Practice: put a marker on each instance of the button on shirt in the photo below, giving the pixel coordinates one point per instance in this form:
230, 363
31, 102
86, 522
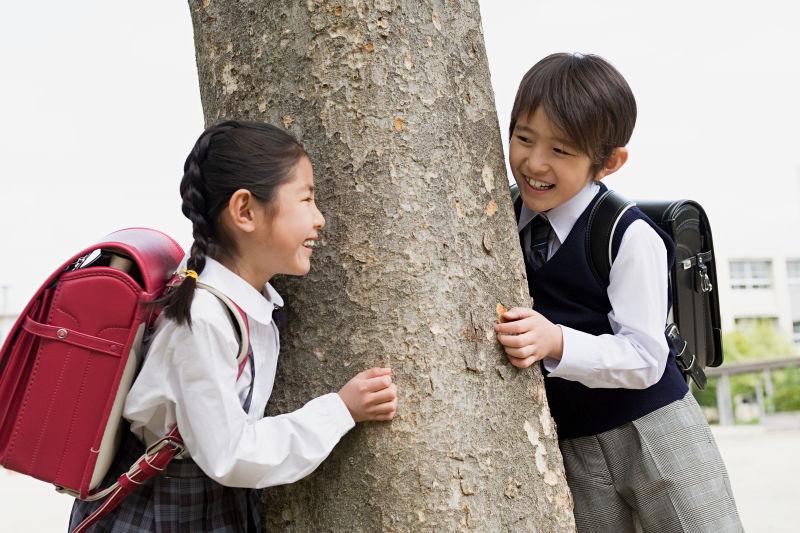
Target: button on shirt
189, 376
635, 356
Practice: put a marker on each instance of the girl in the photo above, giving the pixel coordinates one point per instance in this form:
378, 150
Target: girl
248, 189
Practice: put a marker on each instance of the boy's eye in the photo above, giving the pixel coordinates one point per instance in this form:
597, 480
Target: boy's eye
523, 139
561, 151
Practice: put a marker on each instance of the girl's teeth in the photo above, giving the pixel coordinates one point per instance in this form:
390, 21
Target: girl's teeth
310, 243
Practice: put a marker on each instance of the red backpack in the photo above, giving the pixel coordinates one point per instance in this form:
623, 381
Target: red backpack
70, 359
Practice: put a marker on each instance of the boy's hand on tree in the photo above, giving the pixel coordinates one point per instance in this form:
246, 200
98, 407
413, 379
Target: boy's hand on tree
371, 395
528, 337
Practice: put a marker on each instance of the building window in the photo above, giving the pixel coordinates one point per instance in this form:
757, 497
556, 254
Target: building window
796, 331
793, 271
748, 323
751, 274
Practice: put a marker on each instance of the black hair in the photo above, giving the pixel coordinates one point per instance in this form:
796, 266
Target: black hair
585, 97
228, 156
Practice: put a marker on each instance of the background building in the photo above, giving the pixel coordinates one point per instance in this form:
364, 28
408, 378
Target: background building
758, 266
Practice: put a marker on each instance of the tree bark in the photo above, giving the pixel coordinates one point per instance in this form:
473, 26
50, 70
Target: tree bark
393, 102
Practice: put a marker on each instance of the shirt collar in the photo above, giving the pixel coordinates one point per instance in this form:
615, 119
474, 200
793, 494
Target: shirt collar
257, 305
562, 217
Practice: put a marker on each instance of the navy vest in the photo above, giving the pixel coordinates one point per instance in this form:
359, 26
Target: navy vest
566, 292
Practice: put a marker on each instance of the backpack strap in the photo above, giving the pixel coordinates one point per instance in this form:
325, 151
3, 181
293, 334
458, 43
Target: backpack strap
240, 321
603, 221
157, 456
602, 225
515, 198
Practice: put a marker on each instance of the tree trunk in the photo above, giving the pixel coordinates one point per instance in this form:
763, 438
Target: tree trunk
393, 102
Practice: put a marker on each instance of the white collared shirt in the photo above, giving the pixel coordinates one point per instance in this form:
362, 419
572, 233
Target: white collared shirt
189, 377
635, 356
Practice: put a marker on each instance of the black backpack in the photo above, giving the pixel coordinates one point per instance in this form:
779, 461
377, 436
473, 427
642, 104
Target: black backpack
693, 324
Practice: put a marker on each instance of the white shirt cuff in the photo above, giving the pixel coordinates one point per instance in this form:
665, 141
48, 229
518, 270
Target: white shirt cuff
570, 355
337, 413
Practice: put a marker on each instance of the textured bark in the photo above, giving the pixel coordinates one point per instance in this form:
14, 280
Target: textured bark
393, 101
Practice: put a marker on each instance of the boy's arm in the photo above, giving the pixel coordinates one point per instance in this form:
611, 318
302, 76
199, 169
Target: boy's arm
635, 356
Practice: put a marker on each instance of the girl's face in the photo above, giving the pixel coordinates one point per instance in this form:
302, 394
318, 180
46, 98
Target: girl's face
289, 228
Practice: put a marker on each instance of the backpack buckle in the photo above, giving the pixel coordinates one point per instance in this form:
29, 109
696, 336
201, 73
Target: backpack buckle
163, 442
702, 282
684, 357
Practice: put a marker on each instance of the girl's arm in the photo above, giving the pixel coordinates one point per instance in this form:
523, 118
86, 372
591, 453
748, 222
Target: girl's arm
220, 437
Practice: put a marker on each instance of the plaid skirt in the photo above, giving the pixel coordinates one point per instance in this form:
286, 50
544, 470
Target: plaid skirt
182, 499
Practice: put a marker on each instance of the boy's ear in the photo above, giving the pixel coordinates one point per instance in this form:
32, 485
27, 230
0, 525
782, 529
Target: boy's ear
241, 210
614, 162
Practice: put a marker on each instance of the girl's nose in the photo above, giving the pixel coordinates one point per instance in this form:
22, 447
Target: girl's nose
319, 220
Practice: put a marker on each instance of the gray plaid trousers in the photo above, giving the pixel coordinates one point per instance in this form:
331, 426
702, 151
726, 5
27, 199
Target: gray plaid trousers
661, 473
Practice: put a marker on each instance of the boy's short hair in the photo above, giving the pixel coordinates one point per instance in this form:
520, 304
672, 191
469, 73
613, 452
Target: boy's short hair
584, 97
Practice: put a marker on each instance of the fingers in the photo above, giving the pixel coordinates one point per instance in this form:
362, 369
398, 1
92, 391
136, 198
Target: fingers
523, 356
382, 405
523, 363
375, 372
516, 327
385, 417
517, 313
384, 408
371, 395
382, 396
516, 341
523, 352
375, 384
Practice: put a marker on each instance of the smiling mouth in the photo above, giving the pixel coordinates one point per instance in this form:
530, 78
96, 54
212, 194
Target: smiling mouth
539, 185
310, 243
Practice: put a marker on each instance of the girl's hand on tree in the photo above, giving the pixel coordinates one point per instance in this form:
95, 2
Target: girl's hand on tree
528, 337
371, 395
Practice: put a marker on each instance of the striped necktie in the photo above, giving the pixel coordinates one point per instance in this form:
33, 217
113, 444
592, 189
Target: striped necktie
541, 232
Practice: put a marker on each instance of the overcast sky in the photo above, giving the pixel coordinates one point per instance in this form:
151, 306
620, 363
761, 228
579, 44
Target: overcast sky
101, 105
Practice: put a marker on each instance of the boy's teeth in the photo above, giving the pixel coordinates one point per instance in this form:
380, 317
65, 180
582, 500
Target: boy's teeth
310, 243
540, 184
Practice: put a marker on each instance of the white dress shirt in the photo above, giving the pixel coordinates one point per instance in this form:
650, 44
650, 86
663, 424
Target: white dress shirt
635, 356
189, 377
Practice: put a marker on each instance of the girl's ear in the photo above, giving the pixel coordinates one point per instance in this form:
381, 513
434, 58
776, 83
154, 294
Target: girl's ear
241, 210
614, 162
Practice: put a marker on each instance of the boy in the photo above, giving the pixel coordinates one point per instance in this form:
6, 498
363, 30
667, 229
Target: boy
637, 450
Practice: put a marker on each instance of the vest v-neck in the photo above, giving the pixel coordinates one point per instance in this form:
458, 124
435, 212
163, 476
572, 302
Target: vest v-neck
577, 229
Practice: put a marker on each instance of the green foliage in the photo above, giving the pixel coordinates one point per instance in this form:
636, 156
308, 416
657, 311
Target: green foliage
761, 341
787, 390
708, 396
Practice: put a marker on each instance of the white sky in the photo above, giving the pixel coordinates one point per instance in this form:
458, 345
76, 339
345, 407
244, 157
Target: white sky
101, 105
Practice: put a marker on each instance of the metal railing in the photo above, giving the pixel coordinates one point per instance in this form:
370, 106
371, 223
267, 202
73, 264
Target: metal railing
724, 400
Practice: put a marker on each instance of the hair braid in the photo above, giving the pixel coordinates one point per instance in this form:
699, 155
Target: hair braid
178, 303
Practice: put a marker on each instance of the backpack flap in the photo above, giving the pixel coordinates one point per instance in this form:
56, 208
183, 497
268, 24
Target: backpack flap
694, 285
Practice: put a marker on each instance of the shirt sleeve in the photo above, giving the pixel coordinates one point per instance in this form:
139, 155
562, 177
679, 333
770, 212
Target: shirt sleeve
635, 355
228, 447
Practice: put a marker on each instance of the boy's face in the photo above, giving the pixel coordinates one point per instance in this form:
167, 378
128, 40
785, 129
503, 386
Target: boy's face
548, 169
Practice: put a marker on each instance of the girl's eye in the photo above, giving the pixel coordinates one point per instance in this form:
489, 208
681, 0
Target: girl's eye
561, 151
523, 139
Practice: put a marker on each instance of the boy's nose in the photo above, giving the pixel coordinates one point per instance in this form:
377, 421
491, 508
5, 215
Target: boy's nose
535, 163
